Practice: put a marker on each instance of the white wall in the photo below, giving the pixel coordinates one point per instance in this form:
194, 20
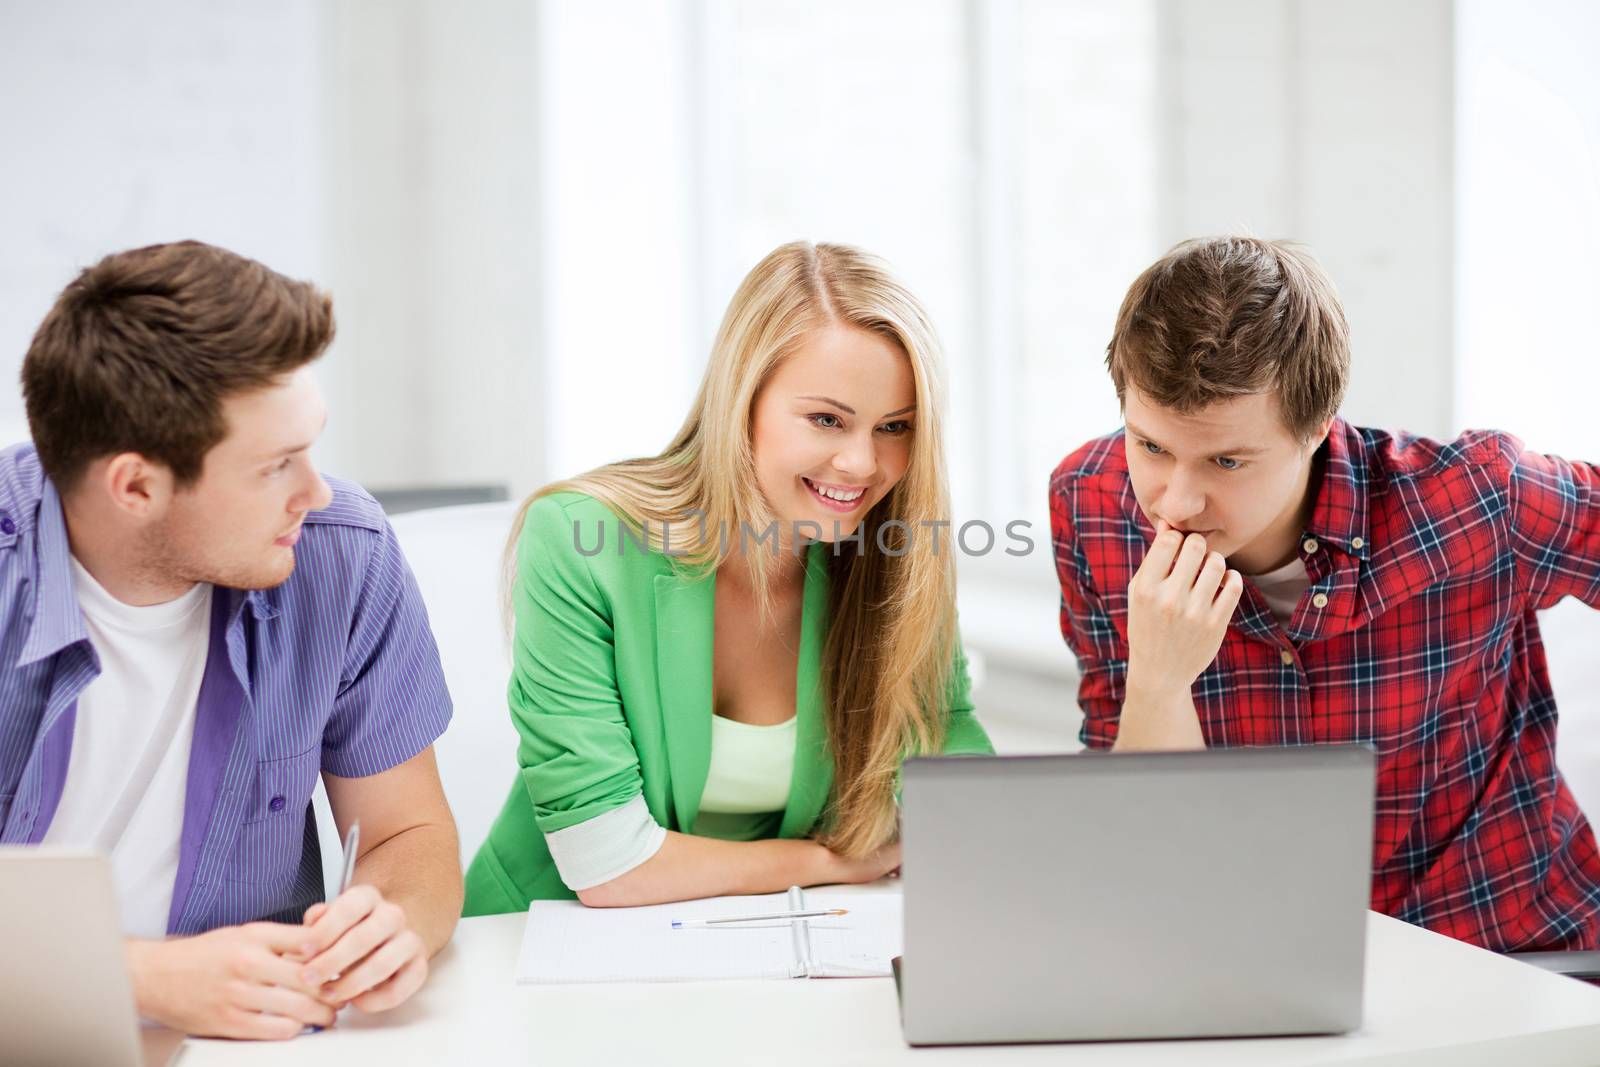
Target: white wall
623, 338
1331, 124
434, 185
483, 185
476, 183
129, 124
1528, 272
388, 152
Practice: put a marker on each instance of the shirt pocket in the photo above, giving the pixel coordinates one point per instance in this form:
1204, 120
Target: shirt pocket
272, 837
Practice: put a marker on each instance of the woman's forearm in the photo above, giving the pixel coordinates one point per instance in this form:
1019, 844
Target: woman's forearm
686, 867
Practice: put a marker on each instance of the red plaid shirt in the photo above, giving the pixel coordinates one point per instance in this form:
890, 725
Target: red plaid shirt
1433, 558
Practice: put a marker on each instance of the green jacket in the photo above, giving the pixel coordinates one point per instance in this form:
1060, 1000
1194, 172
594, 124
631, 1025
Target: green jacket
611, 696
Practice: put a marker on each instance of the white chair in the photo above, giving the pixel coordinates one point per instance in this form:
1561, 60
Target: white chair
455, 553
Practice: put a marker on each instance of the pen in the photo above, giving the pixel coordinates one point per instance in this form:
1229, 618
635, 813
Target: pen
684, 924
351, 840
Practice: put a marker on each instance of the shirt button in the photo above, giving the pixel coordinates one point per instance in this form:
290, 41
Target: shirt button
1309, 544
276, 804
7, 527
1356, 542
1320, 600
1285, 655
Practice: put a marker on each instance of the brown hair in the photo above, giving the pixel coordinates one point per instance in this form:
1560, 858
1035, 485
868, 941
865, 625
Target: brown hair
140, 351
1220, 317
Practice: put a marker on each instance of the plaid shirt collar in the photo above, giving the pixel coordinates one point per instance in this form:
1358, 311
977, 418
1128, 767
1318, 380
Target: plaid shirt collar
1339, 517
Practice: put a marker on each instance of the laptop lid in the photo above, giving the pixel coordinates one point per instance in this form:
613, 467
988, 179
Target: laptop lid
1112, 896
64, 992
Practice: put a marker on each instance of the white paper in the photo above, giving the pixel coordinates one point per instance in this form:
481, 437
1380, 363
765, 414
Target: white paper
858, 945
564, 941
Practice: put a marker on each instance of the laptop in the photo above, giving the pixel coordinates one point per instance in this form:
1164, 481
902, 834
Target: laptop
1096, 897
64, 992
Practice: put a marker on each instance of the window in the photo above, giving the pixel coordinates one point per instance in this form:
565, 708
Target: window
1000, 155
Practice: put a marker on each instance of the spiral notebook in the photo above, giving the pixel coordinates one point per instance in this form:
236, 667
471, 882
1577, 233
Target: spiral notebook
565, 941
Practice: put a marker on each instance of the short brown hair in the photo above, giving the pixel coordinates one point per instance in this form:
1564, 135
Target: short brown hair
1220, 317
140, 351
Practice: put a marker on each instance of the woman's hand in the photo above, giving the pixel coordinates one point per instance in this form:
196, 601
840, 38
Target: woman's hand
841, 869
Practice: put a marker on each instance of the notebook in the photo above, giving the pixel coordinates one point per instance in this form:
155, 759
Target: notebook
565, 941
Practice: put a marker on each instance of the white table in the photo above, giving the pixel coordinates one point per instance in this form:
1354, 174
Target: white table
1429, 1000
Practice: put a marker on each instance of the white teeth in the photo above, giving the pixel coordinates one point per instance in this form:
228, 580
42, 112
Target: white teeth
836, 494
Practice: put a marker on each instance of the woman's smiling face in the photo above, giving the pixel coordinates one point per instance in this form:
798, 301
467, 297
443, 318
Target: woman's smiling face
831, 429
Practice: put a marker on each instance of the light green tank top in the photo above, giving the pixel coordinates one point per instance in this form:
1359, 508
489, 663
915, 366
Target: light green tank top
747, 786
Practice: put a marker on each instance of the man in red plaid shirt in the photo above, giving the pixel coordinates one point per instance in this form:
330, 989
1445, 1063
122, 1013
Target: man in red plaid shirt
1239, 566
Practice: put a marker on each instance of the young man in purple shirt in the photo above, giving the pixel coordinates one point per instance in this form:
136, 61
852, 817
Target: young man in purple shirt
194, 627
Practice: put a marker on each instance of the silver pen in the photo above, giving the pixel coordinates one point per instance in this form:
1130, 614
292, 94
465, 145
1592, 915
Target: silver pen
351, 841
685, 924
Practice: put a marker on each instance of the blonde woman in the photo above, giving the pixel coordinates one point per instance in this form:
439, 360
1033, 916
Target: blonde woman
707, 703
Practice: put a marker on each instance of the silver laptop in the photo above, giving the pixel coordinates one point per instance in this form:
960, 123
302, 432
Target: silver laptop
64, 992
1154, 895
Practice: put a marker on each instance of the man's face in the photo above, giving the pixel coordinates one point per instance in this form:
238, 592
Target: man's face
1231, 472
238, 524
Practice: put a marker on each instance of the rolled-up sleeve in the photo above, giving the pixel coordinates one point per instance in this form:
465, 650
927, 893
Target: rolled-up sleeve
595, 851
575, 751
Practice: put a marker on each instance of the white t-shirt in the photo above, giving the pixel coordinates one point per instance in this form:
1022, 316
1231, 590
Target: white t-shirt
1283, 588
129, 768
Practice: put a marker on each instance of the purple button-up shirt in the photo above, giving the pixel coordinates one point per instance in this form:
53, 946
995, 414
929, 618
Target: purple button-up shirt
334, 670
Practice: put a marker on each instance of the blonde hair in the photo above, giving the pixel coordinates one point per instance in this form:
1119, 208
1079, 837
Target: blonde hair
887, 661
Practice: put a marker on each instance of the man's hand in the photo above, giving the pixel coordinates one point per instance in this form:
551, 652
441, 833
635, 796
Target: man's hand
358, 949
1179, 604
230, 982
